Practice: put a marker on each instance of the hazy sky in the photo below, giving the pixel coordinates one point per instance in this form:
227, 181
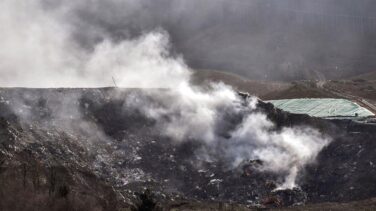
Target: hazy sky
269, 39
260, 39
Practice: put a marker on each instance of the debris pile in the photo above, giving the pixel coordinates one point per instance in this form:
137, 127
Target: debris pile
107, 157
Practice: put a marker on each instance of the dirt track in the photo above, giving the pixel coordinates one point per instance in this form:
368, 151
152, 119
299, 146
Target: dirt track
361, 101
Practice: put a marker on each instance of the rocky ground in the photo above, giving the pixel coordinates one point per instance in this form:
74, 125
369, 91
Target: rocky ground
79, 149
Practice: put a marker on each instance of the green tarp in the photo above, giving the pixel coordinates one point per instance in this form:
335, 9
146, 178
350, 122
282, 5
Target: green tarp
322, 107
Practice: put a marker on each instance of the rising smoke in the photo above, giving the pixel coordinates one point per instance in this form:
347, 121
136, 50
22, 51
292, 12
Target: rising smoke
41, 47
190, 113
38, 50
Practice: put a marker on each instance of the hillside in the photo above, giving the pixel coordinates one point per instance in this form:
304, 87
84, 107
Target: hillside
254, 87
371, 76
360, 89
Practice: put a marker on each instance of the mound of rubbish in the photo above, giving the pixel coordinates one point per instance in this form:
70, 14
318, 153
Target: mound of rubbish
92, 149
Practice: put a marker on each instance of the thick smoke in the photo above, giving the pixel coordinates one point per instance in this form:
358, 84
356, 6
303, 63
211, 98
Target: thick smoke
189, 113
286, 151
40, 49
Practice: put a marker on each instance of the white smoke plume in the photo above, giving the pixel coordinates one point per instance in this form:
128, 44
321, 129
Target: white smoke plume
37, 50
187, 113
286, 151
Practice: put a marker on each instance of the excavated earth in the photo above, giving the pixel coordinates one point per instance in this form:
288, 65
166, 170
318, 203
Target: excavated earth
80, 149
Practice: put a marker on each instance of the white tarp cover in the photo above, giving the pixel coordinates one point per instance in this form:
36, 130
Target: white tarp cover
322, 107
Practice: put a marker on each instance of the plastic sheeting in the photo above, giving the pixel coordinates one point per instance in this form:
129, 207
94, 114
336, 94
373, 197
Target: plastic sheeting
322, 107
